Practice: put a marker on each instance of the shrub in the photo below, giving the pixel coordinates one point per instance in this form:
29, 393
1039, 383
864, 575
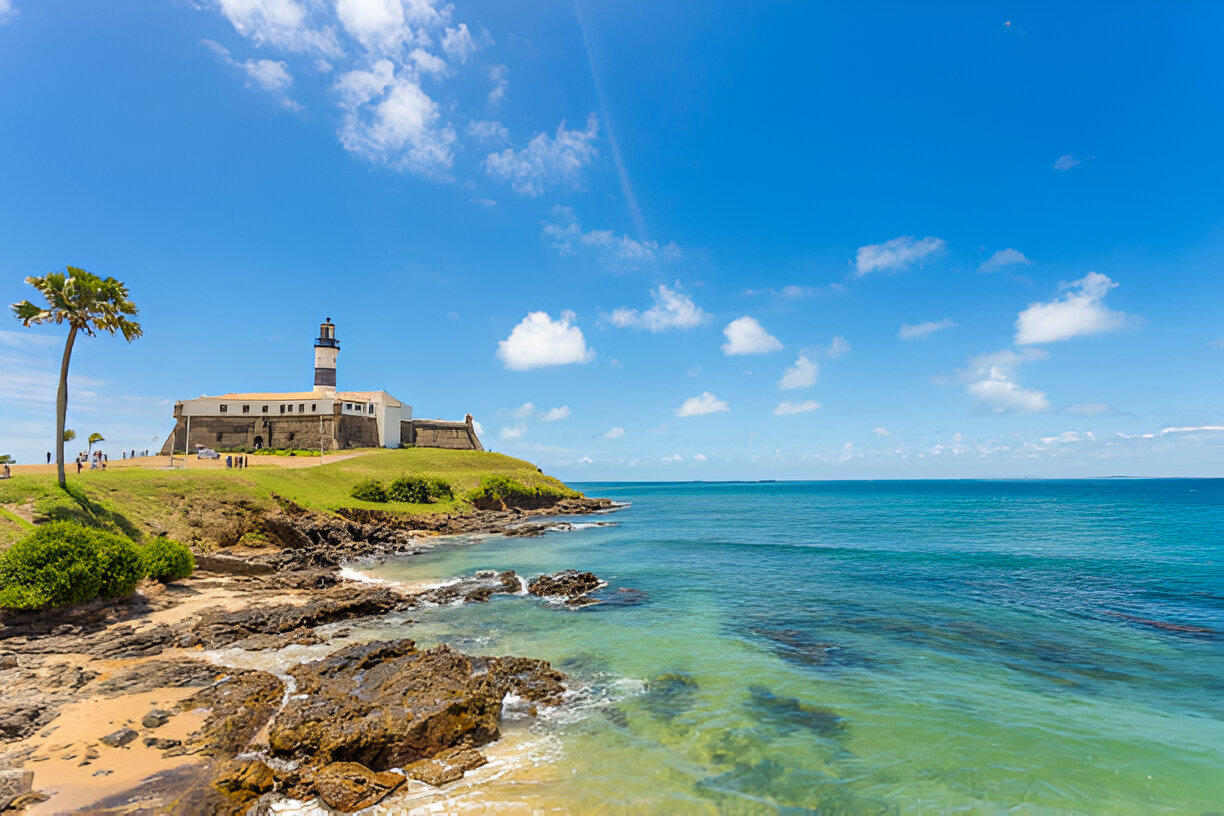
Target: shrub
253, 538
441, 489
370, 490
64, 563
509, 491
166, 560
411, 489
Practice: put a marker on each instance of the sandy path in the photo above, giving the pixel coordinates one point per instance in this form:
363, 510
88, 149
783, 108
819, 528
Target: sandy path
163, 462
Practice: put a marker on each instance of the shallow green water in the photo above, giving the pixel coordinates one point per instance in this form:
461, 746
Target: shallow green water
872, 647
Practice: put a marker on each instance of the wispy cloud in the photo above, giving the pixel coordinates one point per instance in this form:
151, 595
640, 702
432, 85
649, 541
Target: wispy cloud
546, 161
802, 374
897, 254
787, 408
268, 75
565, 234
1001, 259
991, 379
1079, 311
673, 309
921, 331
706, 403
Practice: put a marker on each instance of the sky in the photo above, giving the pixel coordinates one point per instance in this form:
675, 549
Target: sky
639, 240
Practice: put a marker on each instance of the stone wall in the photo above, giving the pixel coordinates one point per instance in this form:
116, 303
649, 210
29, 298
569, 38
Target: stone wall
300, 432
358, 432
434, 433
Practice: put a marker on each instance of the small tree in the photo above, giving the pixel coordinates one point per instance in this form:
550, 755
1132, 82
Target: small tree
87, 303
7, 459
95, 438
69, 435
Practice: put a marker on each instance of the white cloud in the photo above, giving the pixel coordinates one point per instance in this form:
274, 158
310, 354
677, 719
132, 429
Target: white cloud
514, 431
701, 457
802, 374
921, 331
614, 433
747, 336
565, 234
554, 414
1002, 258
895, 254
707, 403
838, 348
1088, 409
499, 76
991, 380
880, 430
673, 309
283, 24
1180, 430
788, 408
388, 26
1079, 311
479, 428
388, 118
427, 63
539, 341
523, 411
675, 457
546, 160
266, 74
7, 11
1066, 162
488, 131
458, 43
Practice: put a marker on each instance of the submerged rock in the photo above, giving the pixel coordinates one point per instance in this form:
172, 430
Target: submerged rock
219, 629
565, 584
351, 786
669, 694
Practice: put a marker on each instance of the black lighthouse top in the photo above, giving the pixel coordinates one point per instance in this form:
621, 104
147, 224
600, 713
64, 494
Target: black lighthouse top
327, 336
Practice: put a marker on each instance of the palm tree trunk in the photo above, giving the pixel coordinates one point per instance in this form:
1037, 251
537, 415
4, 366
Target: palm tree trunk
61, 407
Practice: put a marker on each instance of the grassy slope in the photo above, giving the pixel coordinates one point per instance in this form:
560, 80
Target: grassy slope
193, 505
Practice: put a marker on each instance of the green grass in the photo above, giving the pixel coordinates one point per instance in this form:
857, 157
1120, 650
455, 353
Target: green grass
197, 506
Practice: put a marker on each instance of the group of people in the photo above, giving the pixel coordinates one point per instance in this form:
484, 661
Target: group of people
96, 460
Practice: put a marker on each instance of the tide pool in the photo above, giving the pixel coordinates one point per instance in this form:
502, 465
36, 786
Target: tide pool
866, 647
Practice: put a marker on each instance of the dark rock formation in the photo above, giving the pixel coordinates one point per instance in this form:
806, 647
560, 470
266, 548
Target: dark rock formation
217, 629
155, 718
14, 784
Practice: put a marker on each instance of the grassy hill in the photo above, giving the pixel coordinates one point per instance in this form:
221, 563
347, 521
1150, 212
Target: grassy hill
199, 505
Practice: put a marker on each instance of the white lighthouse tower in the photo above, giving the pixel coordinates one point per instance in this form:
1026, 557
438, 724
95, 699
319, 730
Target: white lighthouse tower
327, 347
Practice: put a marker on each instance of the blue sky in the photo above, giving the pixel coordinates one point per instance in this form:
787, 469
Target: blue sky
640, 240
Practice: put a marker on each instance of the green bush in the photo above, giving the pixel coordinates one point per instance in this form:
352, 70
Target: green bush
166, 560
509, 491
370, 490
411, 489
441, 489
63, 563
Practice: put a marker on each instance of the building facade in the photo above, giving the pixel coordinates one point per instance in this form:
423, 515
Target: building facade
320, 419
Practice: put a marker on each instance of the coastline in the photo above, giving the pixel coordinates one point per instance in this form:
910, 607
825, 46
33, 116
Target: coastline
229, 740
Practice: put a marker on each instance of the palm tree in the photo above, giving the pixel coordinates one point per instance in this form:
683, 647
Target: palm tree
87, 303
95, 438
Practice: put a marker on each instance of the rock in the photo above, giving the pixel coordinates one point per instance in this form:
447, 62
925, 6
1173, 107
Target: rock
8, 661
238, 705
244, 778
219, 629
446, 767
155, 718
565, 584
350, 786
14, 784
120, 738
159, 674
162, 744
385, 704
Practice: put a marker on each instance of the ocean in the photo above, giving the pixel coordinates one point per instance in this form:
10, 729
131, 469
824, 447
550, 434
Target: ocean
861, 647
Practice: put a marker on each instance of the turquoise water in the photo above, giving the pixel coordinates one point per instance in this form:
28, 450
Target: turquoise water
879, 647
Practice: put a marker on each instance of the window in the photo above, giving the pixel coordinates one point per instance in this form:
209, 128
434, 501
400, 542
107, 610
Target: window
246, 409
282, 407
348, 406
371, 408
265, 409
224, 407
218, 437
291, 407
301, 407
313, 408
291, 436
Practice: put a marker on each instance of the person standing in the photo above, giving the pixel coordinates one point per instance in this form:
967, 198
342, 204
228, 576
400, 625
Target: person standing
48, 457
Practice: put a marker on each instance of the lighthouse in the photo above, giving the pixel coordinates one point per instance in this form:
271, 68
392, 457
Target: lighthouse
326, 348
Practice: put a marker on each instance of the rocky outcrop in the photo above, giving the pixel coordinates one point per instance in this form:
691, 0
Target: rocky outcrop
447, 766
386, 704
